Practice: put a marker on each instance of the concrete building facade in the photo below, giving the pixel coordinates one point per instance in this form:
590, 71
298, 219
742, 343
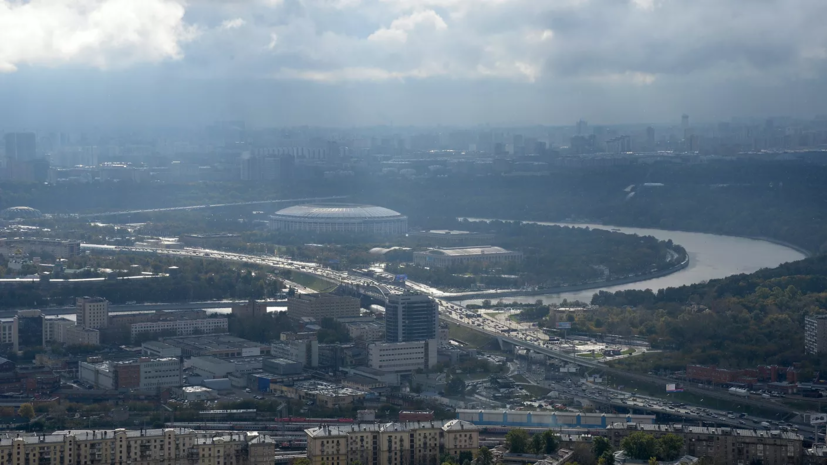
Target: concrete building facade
453, 256
410, 443
815, 334
402, 356
319, 306
146, 447
92, 312
180, 327
723, 445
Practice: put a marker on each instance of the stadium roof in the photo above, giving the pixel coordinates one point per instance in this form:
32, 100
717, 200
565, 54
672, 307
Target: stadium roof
338, 211
461, 251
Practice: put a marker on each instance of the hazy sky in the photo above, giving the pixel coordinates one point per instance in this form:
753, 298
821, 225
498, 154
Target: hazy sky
358, 62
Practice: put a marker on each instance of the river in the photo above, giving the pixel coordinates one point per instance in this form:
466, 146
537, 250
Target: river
710, 257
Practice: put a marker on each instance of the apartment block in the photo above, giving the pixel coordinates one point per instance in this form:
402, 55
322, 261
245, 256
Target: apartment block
723, 445
92, 312
180, 327
319, 306
815, 334
409, 443
145, 446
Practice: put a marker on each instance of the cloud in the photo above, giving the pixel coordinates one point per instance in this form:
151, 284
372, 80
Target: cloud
399, 28
232, 23
97, 33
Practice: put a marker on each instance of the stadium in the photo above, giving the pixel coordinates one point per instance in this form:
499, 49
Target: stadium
340, 219
17, 213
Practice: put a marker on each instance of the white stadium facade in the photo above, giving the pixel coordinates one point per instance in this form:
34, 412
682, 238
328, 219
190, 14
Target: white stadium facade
340, 218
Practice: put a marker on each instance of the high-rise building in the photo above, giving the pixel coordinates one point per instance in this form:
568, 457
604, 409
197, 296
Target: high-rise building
815, 334
411, 317
27, 329
685, 122
650, 137
92, 312
21, 146
581, 127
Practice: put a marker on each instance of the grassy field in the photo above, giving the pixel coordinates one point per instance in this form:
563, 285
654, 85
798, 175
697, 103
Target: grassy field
536, 391
312, 282
473, 338
595, 355
628, 351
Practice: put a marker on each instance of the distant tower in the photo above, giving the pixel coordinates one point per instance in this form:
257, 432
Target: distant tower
685, 122
21, 146
650, 137
581, 127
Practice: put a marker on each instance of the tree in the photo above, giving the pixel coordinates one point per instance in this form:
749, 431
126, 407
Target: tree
653, 461
26, 410
464, 456
550, 442
600, 445
536, 446
517, 441
607, 458
670, 447
640, 445
484, 457
301, 461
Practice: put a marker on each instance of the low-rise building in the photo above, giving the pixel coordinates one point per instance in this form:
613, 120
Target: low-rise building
180, 327
282, 366
211, 367
304, 351
144, 446
453, 256
390, 443
78, 335
58, 248
366, 331
219, 345
159, 349
142, 373
195, 393
323, 394
402, 356
249, 309
723, 445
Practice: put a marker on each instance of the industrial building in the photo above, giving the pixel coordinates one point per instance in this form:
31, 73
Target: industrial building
366, 331
139, 446
538, 419
220, 345
340, 219
449, 237
390, 443
159, 349
411, 317
213, 367
142, 373
250, 309
319, 306
402, 356
723, 445
453, 256
26, 246
304, 351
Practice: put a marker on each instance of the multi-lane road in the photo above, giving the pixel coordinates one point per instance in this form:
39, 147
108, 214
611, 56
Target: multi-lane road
456, 313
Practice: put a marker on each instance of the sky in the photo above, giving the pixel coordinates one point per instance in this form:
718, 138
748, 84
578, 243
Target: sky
408, 62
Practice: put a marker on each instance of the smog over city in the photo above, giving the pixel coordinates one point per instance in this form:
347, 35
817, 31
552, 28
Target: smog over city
413, 232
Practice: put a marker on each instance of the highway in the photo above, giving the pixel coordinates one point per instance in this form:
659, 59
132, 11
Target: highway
198, 207
455, 313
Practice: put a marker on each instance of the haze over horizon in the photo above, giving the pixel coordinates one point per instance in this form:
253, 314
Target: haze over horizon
408, 62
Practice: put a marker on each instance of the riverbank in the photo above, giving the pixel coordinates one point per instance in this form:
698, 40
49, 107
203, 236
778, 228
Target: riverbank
558, 290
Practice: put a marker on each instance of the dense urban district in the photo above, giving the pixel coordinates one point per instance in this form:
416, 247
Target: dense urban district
415, 296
